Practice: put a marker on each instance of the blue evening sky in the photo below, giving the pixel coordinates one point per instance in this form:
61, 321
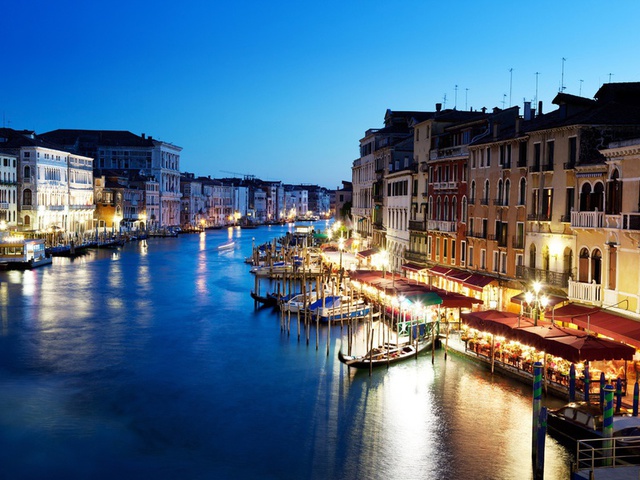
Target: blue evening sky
285, 89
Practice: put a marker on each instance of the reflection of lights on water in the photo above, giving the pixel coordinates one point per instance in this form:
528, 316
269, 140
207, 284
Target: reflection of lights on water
203, 241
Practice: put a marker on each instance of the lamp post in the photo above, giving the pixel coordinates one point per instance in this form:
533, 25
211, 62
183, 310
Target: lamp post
536, 302
340, 248
384, 260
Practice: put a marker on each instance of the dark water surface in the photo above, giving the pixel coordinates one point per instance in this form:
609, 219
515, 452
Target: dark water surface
150, 362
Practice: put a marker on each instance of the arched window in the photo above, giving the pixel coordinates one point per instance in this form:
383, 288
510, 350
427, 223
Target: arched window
438, 211
545, 258
464, 210
27, 221
500, 192
446, 209
454, 212
598, 194
583, 266
26, 197
586, 198
522, 193
485, 192
596, 266
27, 173
473, 192
532, 256
614, 194
507, 191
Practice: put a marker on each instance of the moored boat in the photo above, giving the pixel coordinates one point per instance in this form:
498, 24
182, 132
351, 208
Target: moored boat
336, 308
386, 354
581, 420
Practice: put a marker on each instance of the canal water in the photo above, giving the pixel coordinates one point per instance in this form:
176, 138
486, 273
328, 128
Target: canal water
151, 362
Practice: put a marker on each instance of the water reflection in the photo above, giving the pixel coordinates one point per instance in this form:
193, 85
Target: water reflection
156, 365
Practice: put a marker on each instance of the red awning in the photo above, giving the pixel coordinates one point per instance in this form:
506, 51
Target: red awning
413, 267
458, 275
601, 321
367, 253
477, 281
439, 270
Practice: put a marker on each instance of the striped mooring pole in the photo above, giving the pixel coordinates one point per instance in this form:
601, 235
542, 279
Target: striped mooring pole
538, 467
537, 401
607, 425
603, 383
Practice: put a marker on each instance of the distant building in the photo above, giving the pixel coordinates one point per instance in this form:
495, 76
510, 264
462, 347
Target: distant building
55, 187
8, 191
341, 201
118, 149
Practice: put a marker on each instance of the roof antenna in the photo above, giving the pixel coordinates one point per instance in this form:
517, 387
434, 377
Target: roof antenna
504, 95
610, 75
444, 101
455, 101
535, 101
466, 93
562, 87
580, 92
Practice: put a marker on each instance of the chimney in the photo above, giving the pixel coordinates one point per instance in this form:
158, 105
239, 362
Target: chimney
527, 111
438, 107
143, 135
540, 108
484, 109
150, 137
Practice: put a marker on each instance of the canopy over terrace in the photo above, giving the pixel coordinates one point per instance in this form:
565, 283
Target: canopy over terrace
569, 344
395, 284
601, 321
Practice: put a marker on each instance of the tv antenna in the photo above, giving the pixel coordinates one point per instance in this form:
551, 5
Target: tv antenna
562, 87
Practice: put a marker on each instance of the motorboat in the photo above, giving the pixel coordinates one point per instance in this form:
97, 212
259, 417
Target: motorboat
230, 245
337, 308
581, 420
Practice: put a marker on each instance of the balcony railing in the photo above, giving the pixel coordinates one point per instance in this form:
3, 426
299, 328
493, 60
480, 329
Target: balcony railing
4, 206
556, 279
418, 225
448, 152
484, 201
518, 242
477, 234
441, 225
538, 217
587, 219
472, 200
548, 167
569, 165
534, 168
417, 257
585, 292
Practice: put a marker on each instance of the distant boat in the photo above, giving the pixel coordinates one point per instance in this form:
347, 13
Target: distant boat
227, 245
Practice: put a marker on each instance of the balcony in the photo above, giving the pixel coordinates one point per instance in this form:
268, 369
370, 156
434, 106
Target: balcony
556, 279
484, 201
445, 185
499, 202
472, 200
448, 152
416, 257
548, 167
569, 165
477, 234
538, 217
518, 242
4, 206
534, 168
441, 225
585, 292
418, 225
587, 219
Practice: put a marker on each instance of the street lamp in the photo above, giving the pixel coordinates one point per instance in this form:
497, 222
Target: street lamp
384, 260
536, 302
341, 247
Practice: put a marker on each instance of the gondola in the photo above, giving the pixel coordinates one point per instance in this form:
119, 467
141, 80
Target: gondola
386, 354
270, 300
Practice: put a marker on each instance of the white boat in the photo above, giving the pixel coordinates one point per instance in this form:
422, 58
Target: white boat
20, 253
298, 303
227, 245
336, 308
